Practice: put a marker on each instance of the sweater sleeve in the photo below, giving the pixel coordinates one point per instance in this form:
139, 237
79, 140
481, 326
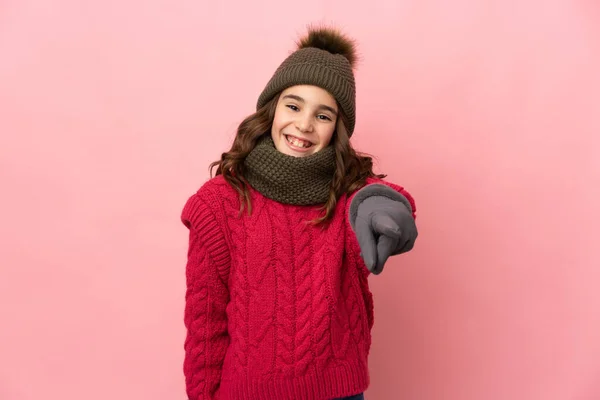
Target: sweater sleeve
206, 299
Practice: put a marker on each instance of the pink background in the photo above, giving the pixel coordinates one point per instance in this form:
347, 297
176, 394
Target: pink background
488, 112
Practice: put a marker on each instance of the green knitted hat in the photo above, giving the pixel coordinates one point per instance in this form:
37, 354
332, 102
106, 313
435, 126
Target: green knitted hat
324, 58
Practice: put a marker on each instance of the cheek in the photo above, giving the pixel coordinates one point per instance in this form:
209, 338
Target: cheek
275, 128
279, 121
325, 136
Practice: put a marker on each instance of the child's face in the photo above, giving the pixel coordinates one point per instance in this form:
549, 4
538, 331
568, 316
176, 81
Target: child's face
305, 120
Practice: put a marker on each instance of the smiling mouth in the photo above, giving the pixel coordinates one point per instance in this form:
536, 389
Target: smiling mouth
300, 143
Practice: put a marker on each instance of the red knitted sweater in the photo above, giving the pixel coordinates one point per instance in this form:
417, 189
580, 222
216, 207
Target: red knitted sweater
276, 309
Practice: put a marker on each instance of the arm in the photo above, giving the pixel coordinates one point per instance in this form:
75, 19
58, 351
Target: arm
382, 215
205, 301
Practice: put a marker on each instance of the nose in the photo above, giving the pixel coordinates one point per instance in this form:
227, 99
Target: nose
304, 123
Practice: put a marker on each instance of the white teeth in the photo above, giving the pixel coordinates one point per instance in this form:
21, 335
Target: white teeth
297, 142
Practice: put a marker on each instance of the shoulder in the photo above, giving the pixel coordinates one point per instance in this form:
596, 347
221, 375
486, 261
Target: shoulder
206, 200
216, 187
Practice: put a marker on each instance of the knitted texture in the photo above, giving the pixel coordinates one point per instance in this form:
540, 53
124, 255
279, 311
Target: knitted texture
313, 66
288, 179
276, 308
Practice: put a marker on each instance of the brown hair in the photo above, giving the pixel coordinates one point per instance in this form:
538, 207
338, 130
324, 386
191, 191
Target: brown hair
351, 172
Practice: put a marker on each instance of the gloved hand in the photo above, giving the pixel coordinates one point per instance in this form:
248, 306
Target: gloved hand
384, 226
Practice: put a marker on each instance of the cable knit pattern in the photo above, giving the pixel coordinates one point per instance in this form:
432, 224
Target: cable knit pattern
260, 249
303, 265
276, 308
286, 294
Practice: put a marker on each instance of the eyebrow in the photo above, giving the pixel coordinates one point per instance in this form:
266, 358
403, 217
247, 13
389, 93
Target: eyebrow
301, 100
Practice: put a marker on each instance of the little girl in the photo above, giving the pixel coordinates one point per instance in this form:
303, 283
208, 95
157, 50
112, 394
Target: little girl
283, 239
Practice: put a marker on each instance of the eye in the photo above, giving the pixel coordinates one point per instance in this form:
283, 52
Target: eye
292, 107
324, 117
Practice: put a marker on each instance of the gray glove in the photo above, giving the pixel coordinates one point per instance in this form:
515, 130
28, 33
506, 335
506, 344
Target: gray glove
383, 222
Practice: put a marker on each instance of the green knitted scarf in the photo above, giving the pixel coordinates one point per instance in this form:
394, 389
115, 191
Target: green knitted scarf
288, 179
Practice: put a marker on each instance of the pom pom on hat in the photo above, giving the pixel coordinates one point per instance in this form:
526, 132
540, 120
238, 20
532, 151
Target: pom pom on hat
330, 40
